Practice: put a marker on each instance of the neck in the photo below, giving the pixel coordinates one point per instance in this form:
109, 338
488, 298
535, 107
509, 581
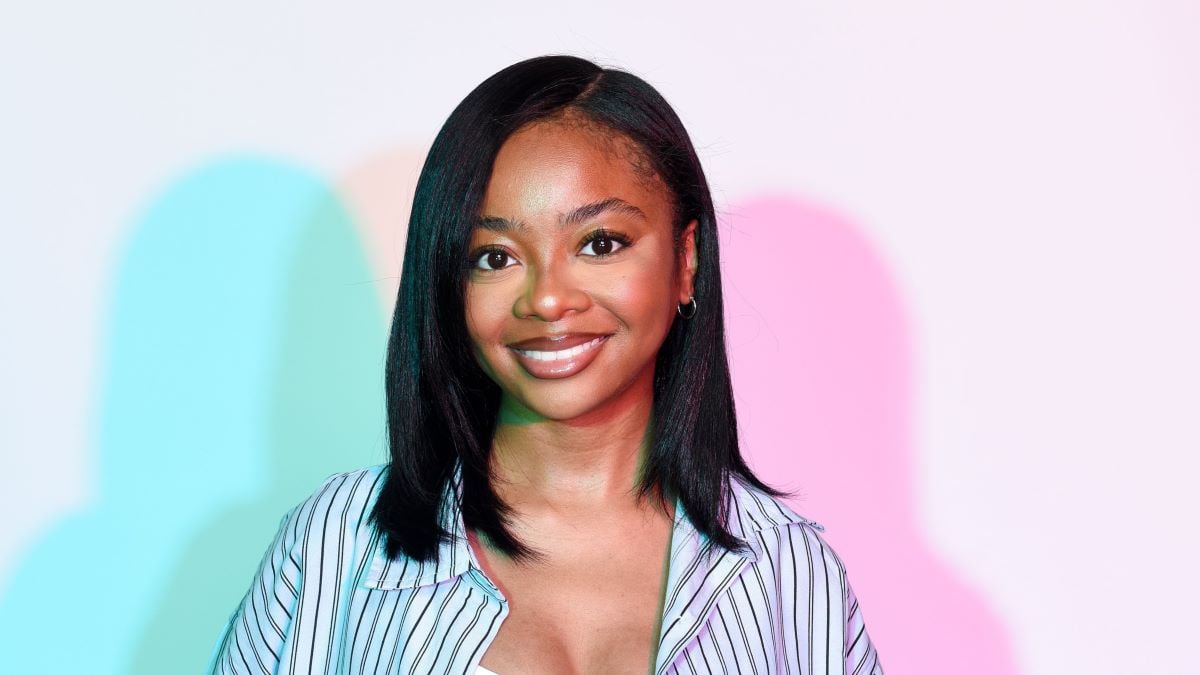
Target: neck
585, 464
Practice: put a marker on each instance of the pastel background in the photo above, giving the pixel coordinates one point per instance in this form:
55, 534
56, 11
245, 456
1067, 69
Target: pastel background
959, 241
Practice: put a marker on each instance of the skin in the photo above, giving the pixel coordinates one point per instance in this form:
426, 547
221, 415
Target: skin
567, 452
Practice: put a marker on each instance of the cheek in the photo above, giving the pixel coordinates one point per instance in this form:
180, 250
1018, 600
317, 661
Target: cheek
482, 329
489, 315
642, 295
481, 322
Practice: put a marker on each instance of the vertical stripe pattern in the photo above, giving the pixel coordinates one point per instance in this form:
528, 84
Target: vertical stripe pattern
326, 599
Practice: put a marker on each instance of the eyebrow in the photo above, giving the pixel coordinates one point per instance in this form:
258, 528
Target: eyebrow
574, 217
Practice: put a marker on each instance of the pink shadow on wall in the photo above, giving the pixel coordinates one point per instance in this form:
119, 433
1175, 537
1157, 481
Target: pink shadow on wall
819, 345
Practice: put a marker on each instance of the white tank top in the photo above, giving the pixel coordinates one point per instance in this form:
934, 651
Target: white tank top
480, 670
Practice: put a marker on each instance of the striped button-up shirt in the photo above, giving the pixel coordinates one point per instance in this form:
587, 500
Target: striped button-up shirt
326, 599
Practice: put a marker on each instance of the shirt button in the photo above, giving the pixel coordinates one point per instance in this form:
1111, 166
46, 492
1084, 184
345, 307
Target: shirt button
816, 525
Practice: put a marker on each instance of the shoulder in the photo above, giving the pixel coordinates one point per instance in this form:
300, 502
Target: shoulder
782, 537
797, 574
316, 542
340, 504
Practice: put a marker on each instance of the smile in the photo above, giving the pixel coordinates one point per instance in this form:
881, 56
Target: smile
558, 364
564, 354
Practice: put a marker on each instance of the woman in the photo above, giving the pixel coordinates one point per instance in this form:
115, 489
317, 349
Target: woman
565, 491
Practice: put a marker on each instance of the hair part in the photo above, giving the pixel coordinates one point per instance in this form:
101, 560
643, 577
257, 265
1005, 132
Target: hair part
616, 145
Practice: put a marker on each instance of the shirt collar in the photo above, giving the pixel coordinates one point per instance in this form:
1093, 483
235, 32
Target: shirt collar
754, 512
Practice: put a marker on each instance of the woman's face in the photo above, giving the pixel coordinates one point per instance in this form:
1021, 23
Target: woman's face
572, 242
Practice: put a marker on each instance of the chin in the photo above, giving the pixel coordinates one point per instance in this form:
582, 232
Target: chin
561, 406
561, 410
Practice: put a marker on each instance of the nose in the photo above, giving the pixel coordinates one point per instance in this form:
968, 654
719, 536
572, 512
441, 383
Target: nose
550, 292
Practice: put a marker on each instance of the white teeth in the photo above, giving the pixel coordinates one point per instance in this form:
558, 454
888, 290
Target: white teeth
564, 354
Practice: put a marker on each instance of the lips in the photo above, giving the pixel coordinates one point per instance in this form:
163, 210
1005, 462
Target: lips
555, 343
561, 361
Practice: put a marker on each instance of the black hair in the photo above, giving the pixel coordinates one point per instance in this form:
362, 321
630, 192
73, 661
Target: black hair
442, 407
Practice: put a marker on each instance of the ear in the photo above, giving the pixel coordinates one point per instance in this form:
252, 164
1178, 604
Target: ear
688, 262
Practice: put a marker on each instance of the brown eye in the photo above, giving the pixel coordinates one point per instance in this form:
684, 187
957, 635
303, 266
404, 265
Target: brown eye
488, 258
602, 242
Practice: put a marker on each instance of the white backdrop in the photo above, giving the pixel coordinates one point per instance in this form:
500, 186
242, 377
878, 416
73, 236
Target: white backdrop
1028, 171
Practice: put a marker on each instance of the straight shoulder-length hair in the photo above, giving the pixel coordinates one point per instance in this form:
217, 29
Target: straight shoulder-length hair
442, 407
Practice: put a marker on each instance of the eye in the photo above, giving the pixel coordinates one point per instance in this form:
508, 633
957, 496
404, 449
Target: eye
603, 239
488, 256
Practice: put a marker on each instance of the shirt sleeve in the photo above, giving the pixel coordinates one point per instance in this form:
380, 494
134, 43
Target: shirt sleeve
255, 635
861, 657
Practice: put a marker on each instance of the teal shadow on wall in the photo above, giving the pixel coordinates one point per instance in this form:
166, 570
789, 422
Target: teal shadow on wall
242, 365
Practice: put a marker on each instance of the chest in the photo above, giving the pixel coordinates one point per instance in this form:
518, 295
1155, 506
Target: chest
593, 610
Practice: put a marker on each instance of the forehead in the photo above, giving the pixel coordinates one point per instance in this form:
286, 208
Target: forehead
553, 166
